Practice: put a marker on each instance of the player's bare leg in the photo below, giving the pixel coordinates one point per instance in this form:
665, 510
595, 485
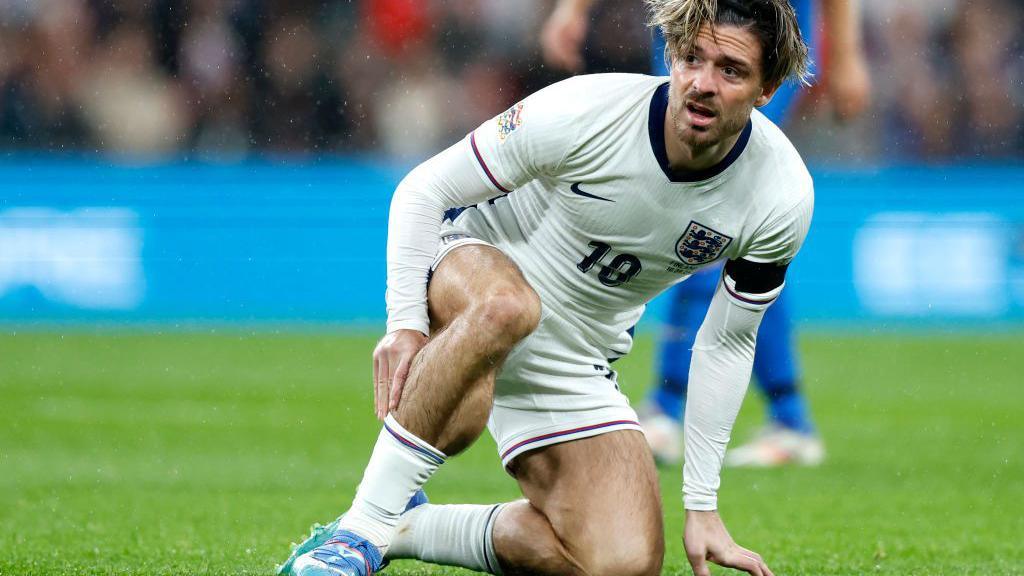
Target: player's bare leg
594, 508
481, 307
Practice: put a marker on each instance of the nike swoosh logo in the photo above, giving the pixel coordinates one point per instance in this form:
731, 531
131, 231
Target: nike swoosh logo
576, 190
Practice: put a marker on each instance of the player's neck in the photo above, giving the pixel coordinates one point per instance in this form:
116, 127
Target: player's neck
682, 156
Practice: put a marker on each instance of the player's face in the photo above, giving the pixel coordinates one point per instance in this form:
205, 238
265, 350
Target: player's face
714, 88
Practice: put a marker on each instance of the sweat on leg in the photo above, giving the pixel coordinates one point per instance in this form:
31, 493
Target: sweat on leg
400, 465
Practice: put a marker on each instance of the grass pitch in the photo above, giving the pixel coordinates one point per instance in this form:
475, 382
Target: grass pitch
181, 453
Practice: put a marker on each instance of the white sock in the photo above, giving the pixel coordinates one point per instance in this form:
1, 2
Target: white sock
400, 464
451, 534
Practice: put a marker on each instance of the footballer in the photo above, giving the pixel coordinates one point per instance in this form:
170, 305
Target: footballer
519, 260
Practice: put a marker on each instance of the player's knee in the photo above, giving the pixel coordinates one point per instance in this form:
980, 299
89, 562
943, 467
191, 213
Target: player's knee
635, 554
510, 314
632, 548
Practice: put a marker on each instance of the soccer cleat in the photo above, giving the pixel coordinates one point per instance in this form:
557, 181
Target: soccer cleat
343, 554
664, 436
320, 534
777, 446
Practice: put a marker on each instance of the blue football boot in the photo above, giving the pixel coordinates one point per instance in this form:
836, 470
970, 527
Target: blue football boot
319, 535
343, 554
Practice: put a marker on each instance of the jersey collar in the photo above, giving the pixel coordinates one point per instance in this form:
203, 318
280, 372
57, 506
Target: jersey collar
656, 130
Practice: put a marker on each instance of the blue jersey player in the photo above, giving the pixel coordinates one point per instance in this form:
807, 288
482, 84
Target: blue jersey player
789, 436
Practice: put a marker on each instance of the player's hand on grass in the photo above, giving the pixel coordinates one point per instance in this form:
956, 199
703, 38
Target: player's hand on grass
392, 359
705, 538
561, 40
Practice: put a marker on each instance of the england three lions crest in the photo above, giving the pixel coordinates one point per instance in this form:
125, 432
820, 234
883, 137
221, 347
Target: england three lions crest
700, 244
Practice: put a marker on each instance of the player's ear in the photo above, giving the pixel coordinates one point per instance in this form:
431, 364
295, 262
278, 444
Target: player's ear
767, 91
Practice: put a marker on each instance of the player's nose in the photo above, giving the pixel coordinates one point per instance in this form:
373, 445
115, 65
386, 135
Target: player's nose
704, 80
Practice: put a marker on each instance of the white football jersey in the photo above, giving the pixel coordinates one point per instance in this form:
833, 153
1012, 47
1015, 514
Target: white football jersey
598, 221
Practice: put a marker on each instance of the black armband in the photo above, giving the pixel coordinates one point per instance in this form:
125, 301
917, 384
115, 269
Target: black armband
756, 277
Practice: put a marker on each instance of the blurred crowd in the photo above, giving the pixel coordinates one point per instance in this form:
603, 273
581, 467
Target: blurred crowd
229, 78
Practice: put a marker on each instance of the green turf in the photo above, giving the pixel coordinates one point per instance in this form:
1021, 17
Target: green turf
208, 454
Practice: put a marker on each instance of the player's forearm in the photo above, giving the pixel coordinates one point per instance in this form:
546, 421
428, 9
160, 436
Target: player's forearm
842, 27
412, 240
723, 356
417, 208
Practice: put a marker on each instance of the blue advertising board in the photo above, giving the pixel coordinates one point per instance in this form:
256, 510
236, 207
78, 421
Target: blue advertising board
90, 240
920, 245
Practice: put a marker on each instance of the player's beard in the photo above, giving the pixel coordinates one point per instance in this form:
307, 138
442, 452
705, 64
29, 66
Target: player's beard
699, 139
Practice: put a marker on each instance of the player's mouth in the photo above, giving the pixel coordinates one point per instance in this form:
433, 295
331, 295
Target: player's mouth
699, 116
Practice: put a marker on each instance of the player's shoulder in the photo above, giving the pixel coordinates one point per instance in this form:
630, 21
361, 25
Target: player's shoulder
783, 202
779, 165
594, 94
604, 85
614, 82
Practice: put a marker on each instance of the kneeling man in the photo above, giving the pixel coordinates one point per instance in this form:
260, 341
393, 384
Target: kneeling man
519, 260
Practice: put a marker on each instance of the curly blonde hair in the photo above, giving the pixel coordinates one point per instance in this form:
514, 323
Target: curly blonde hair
784, 52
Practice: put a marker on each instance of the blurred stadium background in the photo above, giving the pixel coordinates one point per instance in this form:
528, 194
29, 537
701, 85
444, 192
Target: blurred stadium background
193, 200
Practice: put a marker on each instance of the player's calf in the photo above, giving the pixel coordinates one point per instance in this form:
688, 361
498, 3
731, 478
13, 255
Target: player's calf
600, 498
528, 544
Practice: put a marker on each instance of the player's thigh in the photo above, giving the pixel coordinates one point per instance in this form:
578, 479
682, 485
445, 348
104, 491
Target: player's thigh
601, 495
478, 276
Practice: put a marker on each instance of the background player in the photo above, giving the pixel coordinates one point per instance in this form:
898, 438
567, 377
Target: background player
789, 436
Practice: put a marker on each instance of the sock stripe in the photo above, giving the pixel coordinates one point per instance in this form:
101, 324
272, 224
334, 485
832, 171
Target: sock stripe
414, 446
488, 543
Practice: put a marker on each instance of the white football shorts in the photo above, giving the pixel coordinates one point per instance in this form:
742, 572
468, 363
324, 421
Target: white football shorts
554, 386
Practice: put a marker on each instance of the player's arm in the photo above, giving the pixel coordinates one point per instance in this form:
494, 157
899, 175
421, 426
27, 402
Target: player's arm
447, 180
723, 355
414, 222
849, 84
505, 152
561, 39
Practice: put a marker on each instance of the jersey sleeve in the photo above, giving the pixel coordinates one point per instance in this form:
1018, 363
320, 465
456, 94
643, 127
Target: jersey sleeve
723, 352
528, 140
445, 181
723, 355
720, 367
532, 138
779, 239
